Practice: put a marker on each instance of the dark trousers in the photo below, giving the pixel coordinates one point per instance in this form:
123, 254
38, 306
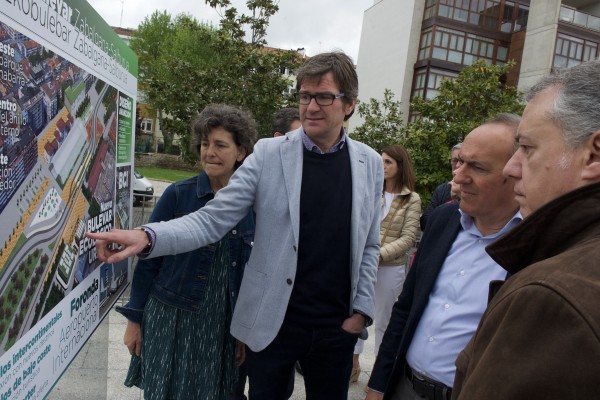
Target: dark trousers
325, 356
240, 385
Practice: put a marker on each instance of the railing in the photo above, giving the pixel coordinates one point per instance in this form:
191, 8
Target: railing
572, 16
143, 209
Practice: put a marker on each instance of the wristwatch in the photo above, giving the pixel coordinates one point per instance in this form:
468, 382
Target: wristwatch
150, 237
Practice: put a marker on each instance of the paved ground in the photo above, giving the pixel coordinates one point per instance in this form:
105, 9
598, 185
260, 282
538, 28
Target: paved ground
98, 372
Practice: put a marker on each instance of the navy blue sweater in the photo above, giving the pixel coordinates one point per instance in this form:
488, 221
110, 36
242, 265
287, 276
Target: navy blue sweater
321, 294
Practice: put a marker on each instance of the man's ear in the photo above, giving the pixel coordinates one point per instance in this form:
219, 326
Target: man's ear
350, 107
591, 170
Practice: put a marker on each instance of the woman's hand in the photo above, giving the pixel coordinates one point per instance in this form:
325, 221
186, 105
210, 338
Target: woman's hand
133, 338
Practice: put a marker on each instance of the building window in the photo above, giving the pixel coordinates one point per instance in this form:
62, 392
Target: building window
521, 17
461, 47
425, 45
454, 9
572, 16
430, 6
427, 82
426, 85
436, 76
146, 125
496, 15
419, 86
571, 50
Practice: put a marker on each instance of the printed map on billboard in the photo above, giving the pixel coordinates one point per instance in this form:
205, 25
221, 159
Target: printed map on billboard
67, 102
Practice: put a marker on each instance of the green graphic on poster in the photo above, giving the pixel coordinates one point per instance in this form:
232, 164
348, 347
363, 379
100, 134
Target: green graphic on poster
124, 145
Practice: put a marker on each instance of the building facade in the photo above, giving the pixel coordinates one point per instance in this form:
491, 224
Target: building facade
410, 46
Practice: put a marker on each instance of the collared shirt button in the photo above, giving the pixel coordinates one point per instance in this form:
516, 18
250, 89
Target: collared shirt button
446, 306
289, 281
234, 263
462, 272
431, 338
234, 231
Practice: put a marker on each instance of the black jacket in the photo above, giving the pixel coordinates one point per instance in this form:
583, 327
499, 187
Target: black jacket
406, 314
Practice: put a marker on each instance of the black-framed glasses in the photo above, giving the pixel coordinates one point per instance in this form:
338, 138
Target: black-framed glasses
322, 99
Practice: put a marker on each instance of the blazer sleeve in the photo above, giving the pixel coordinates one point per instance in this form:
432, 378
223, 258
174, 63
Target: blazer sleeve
408, 234
210, 223
365, 287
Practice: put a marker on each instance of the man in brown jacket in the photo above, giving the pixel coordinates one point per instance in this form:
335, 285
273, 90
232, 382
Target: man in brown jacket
540, 336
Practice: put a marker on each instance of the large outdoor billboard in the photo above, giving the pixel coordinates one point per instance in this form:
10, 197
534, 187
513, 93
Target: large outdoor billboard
67, 106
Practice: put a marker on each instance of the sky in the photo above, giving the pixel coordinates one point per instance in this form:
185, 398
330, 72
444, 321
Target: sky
315, 25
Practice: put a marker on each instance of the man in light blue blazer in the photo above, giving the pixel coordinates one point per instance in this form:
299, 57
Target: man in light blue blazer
307, 291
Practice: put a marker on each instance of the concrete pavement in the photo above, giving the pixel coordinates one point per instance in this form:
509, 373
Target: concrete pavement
98, 371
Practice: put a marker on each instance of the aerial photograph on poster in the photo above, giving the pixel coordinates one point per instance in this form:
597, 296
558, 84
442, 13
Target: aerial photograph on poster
57, 178
67, 102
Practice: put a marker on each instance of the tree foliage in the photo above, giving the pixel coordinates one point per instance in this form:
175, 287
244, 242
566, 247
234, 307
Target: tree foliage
185, 66
475, 96
171, 52
382, 122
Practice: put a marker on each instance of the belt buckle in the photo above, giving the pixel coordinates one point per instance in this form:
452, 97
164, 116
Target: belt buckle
421, 386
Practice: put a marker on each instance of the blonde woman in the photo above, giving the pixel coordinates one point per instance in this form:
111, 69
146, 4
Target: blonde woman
400, 212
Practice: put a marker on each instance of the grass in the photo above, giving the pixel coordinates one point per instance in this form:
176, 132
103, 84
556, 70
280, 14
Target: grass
163, 174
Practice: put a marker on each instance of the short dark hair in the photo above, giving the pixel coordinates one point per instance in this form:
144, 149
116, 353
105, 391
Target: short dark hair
235, 120
282, 120
338, 63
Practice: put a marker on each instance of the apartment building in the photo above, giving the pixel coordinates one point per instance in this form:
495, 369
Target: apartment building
410, 46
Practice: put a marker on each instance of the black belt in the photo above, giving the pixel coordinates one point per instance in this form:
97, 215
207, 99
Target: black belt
428, 388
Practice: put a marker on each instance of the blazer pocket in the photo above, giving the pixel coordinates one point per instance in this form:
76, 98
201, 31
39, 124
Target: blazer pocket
251, 296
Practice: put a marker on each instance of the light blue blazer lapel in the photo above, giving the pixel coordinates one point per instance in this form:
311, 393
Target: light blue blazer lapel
358, 164
291, 160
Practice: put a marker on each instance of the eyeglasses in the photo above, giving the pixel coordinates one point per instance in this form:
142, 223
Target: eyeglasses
322, 99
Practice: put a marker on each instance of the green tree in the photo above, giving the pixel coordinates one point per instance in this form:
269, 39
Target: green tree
185, 65
383, 123
250, 73
172, 52
476, 95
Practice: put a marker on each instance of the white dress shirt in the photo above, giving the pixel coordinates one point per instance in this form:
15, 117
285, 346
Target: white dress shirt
456, 303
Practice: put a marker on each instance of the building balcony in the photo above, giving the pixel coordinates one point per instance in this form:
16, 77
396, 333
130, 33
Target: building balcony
572, 16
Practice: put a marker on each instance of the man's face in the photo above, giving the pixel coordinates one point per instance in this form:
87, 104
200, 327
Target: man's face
322, 122
484, 192
544, 167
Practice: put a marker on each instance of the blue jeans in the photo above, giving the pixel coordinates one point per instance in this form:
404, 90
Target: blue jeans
325, 356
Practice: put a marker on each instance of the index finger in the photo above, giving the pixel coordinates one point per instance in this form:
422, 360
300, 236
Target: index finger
108, 236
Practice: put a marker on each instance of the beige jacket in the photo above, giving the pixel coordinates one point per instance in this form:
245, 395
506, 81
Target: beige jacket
399, 229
